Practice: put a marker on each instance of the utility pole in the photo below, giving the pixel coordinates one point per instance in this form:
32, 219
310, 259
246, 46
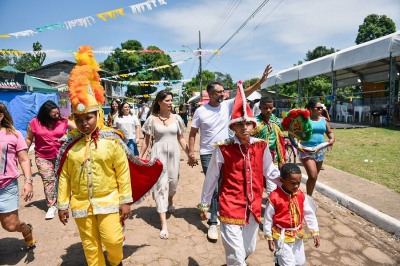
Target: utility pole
200, 70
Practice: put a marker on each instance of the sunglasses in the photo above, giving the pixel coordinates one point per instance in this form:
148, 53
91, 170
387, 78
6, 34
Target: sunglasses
319, 108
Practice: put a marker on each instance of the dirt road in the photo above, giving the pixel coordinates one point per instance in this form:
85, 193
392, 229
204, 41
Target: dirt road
346, 239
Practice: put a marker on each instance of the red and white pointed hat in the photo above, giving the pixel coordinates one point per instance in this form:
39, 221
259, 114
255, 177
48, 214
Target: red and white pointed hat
241, 109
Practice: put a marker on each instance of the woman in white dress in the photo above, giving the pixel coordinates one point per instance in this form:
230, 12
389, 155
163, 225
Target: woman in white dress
163, 132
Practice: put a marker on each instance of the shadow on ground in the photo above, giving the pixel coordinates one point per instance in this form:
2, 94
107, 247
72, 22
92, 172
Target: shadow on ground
151, 217
75, 255
11, 251
40, 204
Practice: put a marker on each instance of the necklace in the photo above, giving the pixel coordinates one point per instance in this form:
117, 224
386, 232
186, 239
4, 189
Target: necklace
163, 120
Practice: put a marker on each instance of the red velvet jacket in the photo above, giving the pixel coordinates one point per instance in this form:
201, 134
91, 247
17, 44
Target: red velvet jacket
288, 215
242, 182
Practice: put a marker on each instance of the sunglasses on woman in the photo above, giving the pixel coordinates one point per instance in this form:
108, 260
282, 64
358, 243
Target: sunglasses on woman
319, 108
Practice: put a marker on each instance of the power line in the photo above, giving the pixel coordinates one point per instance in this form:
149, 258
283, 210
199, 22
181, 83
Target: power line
241, 27
256, 27
226, 14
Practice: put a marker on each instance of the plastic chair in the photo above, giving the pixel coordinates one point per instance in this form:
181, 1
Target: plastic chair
338, 112
346, 114
367, 111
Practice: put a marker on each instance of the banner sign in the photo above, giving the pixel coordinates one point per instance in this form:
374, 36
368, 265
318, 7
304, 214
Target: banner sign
11, 81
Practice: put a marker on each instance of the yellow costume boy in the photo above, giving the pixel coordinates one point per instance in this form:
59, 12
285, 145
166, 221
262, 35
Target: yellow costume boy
94, 176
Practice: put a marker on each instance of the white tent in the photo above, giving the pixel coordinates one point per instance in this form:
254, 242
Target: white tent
194, 98
254, 96
368, 62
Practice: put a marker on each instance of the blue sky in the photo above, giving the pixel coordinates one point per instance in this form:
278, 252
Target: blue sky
280, 34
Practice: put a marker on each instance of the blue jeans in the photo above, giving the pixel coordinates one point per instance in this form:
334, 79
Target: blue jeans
133, 147
205, 161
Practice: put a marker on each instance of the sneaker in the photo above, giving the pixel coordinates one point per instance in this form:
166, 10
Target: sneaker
212, 233
51, 212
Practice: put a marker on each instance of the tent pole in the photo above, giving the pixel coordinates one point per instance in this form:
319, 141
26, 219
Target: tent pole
333, 93
392, 83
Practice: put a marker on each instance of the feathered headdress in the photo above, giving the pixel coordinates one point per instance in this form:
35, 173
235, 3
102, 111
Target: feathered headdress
85, 91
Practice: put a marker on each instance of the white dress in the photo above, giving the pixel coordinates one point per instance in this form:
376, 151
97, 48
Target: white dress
166, 148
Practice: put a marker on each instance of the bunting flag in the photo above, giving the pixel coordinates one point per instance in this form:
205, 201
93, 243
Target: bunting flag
153, 82
111, 14
81, 22
89, 20
107, 52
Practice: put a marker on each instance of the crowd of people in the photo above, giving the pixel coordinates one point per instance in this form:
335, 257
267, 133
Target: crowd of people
86, 164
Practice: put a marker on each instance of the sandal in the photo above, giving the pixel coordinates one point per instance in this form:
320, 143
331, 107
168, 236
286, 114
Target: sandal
171, 208
164, 234
30, 244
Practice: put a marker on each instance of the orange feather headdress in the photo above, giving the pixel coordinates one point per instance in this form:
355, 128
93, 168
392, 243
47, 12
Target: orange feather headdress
85, 91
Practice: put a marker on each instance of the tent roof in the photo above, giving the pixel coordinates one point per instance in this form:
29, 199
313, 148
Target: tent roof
10, 69
367, 61
194, 98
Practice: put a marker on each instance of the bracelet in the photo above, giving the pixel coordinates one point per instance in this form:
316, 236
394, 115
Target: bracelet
28, 178
203, 207
28, 182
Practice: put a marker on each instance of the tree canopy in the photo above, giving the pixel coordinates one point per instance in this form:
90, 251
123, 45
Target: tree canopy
373, 27
129, 59
207, 77
27, 61
318, 52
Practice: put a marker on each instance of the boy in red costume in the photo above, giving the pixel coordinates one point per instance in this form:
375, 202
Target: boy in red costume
246, 164
288, 206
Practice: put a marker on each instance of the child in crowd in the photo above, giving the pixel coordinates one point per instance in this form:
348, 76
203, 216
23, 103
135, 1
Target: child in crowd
94, 176
286, 209
269, 128
246, 165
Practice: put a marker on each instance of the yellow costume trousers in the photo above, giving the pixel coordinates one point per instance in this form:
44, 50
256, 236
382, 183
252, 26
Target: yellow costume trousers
99, 229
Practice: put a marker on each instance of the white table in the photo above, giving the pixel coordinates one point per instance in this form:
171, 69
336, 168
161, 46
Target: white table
363, 111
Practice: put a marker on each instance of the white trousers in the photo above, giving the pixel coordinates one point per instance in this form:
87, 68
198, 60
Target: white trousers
239, 241
291, 254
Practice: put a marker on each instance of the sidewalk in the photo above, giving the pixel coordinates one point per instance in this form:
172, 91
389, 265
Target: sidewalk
374, 202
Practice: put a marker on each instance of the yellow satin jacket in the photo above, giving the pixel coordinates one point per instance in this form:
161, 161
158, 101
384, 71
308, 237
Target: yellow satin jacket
97, 186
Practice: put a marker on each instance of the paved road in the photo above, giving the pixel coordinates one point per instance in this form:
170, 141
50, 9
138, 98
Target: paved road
346, 239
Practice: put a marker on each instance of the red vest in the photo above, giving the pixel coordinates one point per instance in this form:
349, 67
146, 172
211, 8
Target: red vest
242, 182
285, 215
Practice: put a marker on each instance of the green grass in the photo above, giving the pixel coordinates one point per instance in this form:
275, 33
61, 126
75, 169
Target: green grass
380, 146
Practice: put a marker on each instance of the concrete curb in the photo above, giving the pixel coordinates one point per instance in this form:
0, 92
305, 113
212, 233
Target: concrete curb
370, 214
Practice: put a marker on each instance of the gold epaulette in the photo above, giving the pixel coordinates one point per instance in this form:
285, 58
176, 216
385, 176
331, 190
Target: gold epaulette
223, 142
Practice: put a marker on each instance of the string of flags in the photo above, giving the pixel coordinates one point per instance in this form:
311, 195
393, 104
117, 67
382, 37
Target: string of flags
153, 82
160, 67
88, 20
105, 52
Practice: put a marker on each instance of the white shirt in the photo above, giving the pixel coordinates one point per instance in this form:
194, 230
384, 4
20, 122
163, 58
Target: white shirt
213, 123
270, 171
256, 109
146, 111
127, 124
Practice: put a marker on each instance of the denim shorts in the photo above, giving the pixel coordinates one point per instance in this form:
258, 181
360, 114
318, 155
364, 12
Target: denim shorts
318, 156
9, 199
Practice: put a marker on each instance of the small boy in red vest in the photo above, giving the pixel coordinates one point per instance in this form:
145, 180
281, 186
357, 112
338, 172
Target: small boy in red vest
286, 209
246, 165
